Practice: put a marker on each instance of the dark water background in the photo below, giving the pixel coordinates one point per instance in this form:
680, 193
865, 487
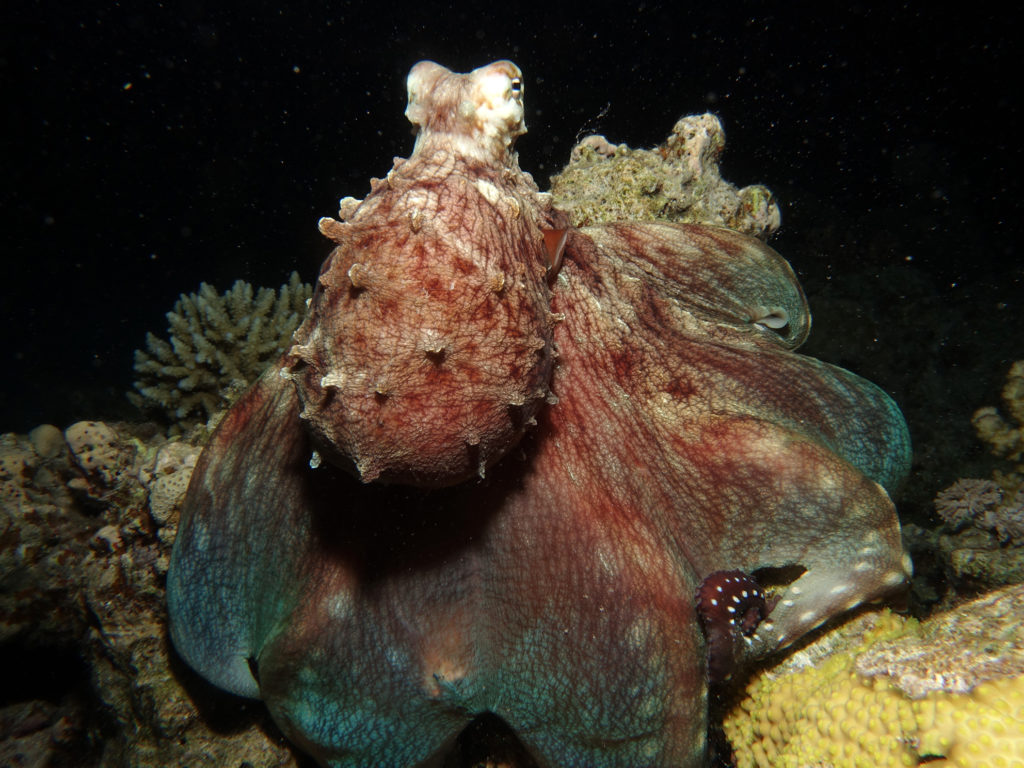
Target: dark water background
148, 147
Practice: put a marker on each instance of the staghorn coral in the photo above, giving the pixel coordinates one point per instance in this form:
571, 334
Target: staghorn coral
217, 345
883, 690
677, 181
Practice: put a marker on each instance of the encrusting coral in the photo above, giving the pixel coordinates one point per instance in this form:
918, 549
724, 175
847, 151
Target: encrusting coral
884, 690
217, 345
677, 181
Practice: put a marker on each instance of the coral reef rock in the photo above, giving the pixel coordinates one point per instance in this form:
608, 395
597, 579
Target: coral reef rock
677, 181
983, 541
86, 525
217, 345
884, 690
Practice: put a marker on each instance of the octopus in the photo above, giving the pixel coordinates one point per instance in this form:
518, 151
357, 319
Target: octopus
501, 457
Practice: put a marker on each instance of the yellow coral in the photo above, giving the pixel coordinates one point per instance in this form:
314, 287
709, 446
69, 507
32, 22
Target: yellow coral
984, 728
829, 715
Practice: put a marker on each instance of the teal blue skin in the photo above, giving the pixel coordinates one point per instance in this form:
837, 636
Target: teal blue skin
556, 593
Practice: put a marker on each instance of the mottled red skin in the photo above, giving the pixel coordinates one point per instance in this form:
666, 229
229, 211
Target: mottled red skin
558, 591
420, 317
434, 330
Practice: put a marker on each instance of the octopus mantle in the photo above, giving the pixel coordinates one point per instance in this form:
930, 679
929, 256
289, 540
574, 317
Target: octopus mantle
502, 454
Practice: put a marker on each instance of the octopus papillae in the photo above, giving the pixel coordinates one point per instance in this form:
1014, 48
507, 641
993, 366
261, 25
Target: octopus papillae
501, 457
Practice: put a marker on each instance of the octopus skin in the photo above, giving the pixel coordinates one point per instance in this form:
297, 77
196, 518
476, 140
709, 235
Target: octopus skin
502, 455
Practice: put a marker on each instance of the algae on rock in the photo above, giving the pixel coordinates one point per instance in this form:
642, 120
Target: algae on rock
677, 181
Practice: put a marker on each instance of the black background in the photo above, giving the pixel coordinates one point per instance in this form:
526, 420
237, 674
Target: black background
148, 147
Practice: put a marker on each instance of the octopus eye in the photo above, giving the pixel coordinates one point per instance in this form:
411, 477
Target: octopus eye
774, 318
517, 88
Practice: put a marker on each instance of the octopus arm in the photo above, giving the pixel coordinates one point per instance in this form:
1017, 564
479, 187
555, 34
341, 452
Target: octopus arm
848, 414
687, 309
782, 500
744, 454
238, 552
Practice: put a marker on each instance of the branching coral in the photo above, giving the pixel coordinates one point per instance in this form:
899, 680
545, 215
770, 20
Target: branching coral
1005, 438
217, 345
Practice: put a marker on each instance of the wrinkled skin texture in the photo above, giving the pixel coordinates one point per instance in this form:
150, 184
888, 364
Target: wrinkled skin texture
528, 468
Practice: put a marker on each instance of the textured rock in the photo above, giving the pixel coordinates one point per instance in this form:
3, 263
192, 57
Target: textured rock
85, 533
98, 452
47, 441
43, 534
166, 478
